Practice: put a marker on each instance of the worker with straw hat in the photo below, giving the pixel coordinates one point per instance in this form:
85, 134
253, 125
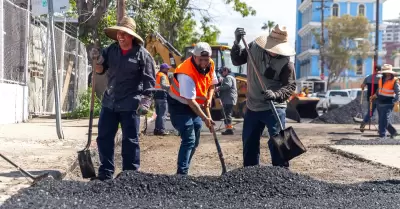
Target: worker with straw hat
272, 58
387, 95
131, 77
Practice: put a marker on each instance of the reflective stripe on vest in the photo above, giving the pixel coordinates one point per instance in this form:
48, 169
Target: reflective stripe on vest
387, 89
202, 82
159, 75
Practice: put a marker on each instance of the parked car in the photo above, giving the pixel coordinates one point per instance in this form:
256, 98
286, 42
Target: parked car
337, 98
354, 93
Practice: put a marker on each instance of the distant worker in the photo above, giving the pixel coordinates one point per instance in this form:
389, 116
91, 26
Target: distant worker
192, 87
368, 83
130, 72
228, 94
272, 59
160, 97
387, 95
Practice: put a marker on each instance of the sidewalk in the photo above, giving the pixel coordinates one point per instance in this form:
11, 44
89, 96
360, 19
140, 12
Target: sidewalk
36, 148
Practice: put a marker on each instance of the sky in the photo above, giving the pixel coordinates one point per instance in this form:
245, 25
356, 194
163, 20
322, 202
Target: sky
283, 13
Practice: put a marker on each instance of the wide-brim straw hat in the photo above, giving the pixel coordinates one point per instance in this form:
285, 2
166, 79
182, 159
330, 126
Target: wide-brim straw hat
386, 68
128, 25
276, 42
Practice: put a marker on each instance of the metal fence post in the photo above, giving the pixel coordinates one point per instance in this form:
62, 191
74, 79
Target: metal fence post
25, 111
62, 58
55, 76
1, 40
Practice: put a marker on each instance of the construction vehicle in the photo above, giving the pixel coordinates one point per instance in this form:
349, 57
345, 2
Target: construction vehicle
302, 105
156, 44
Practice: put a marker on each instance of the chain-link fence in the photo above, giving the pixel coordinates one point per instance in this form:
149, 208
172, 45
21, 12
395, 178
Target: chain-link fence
70, 53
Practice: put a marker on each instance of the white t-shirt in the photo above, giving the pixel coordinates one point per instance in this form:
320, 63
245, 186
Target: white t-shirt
187, 87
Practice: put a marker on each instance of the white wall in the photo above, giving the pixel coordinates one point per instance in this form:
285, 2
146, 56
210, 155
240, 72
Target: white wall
13, 109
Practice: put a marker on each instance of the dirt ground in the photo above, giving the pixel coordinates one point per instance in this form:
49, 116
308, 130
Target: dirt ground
159, 154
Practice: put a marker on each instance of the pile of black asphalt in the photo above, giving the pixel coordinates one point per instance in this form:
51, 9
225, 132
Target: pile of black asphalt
346, 113
251, 187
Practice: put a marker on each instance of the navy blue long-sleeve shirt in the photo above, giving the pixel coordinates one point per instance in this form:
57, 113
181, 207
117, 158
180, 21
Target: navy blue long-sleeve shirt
129, 76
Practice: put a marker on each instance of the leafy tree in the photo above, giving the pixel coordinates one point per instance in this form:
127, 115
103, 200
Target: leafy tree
209, 33
268, 25
343, 44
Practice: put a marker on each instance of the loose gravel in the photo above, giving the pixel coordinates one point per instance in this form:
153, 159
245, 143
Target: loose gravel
254, 187
345, 114
378, 141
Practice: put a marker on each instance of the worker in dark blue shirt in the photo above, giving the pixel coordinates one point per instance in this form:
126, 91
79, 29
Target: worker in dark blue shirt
131, 77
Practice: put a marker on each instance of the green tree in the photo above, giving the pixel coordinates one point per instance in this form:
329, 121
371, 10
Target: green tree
268, 25
343, 44
209, 33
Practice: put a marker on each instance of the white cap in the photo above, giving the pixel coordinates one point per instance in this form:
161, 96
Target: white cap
201, 48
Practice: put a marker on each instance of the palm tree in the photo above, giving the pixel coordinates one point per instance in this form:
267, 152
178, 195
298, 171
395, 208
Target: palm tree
269, 25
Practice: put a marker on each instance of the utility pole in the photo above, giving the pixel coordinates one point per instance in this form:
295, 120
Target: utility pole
375, 55
55, 75
322, 45
121, 6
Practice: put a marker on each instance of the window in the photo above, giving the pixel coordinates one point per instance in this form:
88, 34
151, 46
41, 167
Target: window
335, 10
361, 10
360, 67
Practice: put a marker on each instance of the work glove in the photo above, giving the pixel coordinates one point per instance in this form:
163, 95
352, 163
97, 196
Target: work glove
95, 55
144, 105
239, 34
269, 95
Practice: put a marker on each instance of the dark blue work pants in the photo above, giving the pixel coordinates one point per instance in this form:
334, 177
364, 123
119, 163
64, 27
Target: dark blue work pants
107, 129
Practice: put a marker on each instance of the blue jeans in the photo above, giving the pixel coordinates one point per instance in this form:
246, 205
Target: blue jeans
107, 128
189, 127
384, 112
161, 111
253, 127
367, 117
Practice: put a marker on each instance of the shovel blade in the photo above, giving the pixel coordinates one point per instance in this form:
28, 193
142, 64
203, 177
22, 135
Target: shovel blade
86, 164
288, 144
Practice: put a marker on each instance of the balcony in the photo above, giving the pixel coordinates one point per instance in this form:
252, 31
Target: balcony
308, 27
304, 5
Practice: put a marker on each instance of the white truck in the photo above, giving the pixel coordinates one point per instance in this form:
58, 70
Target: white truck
333, 99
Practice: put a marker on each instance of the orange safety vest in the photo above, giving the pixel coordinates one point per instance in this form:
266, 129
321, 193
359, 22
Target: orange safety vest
158, 79
387, 89
202, 82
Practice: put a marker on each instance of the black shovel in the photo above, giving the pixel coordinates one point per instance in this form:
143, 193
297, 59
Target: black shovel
84, 157
35, 179
286, 142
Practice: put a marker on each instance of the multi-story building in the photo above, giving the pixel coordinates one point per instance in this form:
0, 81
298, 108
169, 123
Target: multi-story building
391, 42
307, 48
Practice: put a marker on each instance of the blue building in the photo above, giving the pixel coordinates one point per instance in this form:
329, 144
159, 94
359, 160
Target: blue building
307, 48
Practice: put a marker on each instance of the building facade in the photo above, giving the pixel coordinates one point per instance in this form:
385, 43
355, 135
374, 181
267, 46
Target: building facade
309, 17
391, 42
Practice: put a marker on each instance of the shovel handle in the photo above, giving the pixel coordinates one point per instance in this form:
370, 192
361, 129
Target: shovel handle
219, 150
261, 83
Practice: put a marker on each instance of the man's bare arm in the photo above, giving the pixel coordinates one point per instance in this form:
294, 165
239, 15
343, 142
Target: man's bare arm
196, 108
99, 68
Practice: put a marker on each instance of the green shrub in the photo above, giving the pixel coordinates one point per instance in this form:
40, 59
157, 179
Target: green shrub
83, 108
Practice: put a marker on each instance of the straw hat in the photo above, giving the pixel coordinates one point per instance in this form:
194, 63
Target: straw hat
386, 68
127, 25
276, 42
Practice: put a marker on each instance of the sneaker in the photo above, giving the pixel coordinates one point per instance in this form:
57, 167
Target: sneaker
227, 132
394, 136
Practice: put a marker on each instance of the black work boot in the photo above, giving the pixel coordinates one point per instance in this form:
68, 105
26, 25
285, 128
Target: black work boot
227, 132
362, 127
160, 132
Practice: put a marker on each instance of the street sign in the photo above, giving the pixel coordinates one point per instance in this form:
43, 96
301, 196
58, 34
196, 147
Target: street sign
40, 7
322, 76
